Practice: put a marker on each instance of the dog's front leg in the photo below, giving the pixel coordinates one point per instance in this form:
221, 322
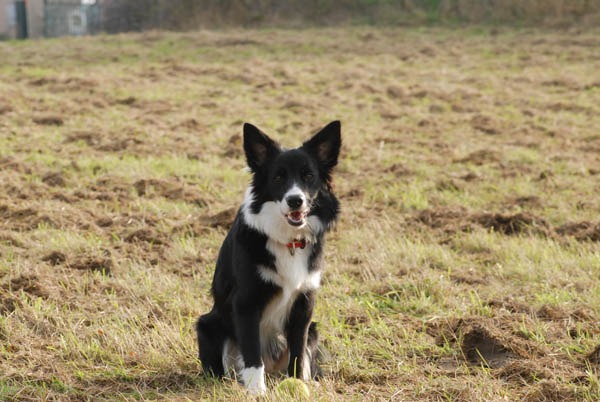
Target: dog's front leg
297, 335
247, 318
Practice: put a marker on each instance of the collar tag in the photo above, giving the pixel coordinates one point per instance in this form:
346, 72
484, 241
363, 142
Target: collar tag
296, 244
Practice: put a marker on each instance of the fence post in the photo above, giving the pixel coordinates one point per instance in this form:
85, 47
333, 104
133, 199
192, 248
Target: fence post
45, 18
21, 11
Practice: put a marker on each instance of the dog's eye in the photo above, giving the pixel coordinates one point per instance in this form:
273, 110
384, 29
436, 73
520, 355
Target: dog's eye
308, 177
278, 178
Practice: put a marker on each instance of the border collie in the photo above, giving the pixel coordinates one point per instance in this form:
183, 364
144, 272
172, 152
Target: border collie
269, 266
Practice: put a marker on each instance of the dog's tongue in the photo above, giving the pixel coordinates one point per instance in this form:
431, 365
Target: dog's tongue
296, 215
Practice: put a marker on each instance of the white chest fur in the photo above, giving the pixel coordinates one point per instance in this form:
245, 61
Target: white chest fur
292, 276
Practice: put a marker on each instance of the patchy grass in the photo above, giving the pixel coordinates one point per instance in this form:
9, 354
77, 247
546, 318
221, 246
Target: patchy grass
465, 265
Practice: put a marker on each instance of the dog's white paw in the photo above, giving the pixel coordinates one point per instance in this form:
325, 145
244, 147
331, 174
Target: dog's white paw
254, 379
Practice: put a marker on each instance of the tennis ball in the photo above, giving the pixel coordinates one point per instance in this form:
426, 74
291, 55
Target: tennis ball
294, 387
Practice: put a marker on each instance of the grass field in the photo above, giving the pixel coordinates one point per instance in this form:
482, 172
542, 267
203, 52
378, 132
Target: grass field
466, 263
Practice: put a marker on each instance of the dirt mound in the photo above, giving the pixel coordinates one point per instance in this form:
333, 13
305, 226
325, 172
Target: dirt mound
486, 125
449, 219
99, 264
395, 92
459, 219
107, 188
512, 224
526, 201
594, 356
550, 390
48, 120
492, 342
581, 230
173, 191
8, 304
448, 185
190, 124
569, 107
104, 221
130, 100
399, 170
54, 179
65, 84
470, 277
524, 371
5, 108
481, 344
234, 147
480, 157
509, 305
120, 144
28, 284
223, 219
89, 137
23, 218
452, 220
552, 313
11, 163
144, 235
55, 258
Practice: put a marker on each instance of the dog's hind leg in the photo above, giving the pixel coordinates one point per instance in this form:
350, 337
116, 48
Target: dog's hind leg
211, 340
314, 352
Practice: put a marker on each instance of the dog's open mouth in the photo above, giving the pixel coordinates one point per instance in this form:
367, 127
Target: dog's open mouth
296, 218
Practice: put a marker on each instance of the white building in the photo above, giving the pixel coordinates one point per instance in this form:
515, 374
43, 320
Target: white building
49, 18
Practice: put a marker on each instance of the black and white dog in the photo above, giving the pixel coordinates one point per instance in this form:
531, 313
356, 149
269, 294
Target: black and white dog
269, 265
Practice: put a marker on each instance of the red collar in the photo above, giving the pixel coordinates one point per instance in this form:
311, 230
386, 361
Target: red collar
292, 246
297, 244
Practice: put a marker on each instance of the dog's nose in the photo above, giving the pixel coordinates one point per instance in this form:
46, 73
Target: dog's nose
294, 201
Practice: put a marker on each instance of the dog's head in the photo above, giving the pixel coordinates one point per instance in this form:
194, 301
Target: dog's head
290, 182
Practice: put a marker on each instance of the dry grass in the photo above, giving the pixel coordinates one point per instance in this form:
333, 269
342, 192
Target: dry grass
466, 262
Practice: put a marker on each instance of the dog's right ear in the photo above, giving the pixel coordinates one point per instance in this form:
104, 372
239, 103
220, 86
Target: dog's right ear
257, 146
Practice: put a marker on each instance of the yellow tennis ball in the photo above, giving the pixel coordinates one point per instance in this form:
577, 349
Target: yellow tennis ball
294, 387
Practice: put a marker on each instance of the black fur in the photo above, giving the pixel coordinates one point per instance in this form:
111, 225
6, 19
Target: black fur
240, 293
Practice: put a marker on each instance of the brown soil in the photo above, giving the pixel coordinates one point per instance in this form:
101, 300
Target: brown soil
55, 258
90, 138
55, 179
468, 277
8, 304
23, 218
581, 230
549, 390
172, 191
479, 344
524, 371
594, 356
486, 125
444, 218
458, 219
480, 157
49, 120
92, 264
223, 219
512, 224
144, 235
452, 220
28, 284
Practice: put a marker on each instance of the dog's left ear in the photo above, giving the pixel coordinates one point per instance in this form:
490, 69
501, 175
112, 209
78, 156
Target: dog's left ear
325, 145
